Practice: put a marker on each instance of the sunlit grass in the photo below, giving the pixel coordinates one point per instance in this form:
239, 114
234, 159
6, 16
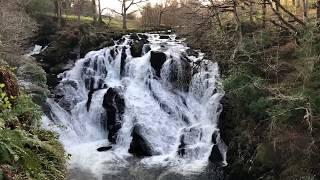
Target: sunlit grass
115, 23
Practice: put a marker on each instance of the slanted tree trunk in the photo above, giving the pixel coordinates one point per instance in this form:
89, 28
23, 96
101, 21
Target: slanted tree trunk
277, 5
318, 9
264, 13
100, 12
94, 10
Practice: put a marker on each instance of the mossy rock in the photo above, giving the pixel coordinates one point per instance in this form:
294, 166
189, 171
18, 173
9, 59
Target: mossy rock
33, 80
3, 63
10, 81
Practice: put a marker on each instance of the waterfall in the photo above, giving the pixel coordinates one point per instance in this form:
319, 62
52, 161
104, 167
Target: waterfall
159, 108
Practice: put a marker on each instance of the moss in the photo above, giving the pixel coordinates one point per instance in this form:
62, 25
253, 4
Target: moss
33, 81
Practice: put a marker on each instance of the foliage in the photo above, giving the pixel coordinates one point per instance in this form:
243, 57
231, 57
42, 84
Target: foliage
26, 150
271, 109
4, 99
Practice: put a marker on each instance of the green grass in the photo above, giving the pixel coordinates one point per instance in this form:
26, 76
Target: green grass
115, 23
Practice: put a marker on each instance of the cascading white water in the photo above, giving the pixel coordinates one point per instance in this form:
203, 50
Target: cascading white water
163, 106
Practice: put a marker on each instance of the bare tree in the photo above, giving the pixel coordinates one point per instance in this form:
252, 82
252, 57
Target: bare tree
126, 5
58, 10
162, 9
94, 10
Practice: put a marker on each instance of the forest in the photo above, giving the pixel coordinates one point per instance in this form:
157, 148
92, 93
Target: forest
254, 115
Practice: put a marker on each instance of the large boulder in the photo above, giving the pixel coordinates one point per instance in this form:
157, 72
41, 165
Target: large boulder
157, 60
114, 105
32, 78
215, 156
137, 44
180, 73
139, 146
218, 149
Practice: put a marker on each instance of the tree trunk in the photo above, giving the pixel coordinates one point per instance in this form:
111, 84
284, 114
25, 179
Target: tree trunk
264, 13
235, 13
100, 12
124, 21
305, 9
160, 18
94, 10
251, 12
58, 11
318, 9
79, 11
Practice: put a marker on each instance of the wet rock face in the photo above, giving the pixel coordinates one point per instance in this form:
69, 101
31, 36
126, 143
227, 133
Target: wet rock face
191, 52
157, 60
114, 105
137, 44
67, 102
139, 146
180, 73
218, 148
68, 45
215, 156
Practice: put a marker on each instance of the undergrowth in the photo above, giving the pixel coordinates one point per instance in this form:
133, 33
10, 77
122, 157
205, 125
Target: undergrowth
26, 150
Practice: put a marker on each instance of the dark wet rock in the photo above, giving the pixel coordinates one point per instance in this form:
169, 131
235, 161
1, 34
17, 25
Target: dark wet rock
180, 73
146, 48
67, 102
114, 105
216, 156
134, 36
191, 52
181, 147
105, 148
123, 60
215, 135
139, 146
157, 60
164, 36
137, 44
69, 44
89, 83
136, 48
143, 36
90, 94
120, 41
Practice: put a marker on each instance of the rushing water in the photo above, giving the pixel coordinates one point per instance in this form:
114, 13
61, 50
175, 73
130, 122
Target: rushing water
150, 117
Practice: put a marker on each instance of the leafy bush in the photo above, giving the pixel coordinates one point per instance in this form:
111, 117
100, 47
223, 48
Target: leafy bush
26, 150
4, 99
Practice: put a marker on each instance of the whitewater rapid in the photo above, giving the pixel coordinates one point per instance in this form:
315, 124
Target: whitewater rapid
158, 110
